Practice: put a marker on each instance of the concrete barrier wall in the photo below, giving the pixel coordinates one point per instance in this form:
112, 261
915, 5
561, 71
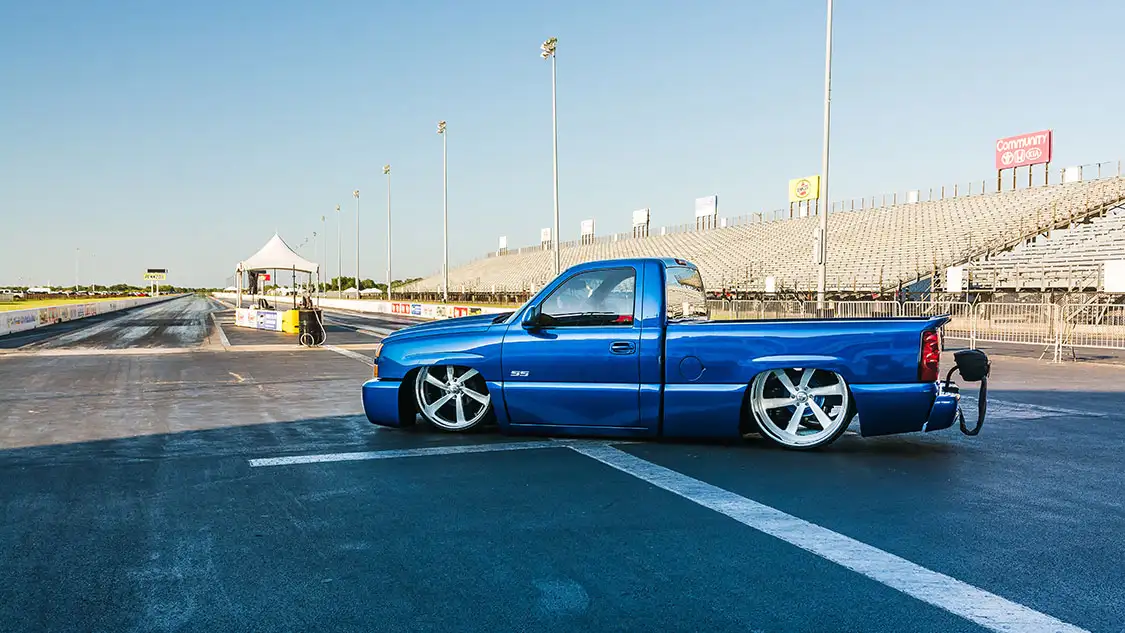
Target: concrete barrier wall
404, 308
12, 321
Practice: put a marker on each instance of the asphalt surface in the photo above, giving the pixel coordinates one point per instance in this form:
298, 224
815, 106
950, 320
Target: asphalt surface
181, 322
131, 502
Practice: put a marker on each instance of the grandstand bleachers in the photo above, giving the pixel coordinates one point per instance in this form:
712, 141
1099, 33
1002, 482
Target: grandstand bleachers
869, 250
1068, 259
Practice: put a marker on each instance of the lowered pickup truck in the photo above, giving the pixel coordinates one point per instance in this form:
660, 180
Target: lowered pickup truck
625, 348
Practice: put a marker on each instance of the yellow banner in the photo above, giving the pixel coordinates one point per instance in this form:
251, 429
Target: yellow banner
802, 189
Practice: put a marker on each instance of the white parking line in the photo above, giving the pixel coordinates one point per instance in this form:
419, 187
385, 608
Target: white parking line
405, 452
363, 358
969, 602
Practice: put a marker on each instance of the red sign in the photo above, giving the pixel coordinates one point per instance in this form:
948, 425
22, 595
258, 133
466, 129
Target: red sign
1023, 150
400, 308
266, 277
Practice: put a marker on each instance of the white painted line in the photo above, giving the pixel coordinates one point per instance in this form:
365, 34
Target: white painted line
1010, 408
380, 332
363, 358
222, 334
972, 603
394, 453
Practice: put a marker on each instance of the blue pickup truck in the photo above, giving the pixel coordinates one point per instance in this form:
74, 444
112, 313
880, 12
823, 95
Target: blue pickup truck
625, 348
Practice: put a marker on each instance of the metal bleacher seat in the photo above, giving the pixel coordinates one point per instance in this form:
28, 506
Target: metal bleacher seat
869, 250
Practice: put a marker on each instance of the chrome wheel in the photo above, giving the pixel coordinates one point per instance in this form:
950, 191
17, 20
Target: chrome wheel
800, 408
452, 398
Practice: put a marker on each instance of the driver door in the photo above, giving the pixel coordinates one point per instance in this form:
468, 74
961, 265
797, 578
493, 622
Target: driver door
580, 365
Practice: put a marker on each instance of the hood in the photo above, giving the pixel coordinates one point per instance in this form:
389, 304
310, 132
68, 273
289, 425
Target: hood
446, 326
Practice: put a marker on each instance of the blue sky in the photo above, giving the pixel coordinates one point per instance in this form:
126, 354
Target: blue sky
181, 135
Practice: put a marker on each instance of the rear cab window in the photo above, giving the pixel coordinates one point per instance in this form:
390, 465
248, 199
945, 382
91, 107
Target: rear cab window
684, 297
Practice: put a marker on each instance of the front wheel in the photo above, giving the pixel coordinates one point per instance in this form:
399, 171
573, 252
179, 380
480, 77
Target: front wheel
800, 408
452, 398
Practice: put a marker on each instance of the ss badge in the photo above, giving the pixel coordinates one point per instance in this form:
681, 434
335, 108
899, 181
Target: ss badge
519, 373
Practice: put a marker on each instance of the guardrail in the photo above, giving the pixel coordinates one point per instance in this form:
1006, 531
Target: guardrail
13, 321
403, 308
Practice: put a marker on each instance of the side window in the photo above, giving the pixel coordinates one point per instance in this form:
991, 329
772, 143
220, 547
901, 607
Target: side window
684, 297
597, 297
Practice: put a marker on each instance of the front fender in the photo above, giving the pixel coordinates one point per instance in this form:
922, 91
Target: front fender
389, 399
478, 350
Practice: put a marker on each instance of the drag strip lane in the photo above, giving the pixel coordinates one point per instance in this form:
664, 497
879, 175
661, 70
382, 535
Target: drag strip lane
180, 323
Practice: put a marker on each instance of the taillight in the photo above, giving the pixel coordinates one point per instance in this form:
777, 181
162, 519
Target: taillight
930, 358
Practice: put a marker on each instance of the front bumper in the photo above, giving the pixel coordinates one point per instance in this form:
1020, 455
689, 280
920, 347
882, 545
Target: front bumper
903, 408
381, 402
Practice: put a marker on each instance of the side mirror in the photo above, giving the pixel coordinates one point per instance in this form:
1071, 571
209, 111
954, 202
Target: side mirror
530, 318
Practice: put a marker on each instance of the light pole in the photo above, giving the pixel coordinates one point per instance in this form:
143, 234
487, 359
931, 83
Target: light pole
387, 173
339, 254
77, 251
324, 237
445, 217
548, 49
358, 286
316, 256
822, 243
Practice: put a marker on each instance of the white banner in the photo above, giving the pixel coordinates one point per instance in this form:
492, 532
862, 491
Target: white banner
954, 279
503, 242
587, 227
1114, 275
640, 217
708, 206
544, 235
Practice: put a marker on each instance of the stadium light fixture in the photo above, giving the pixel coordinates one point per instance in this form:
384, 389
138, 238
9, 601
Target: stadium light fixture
445, 216
387, 173
822, 241
548, 52
358, 285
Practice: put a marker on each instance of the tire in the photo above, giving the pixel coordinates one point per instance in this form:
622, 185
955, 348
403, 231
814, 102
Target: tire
452, 398
800, 408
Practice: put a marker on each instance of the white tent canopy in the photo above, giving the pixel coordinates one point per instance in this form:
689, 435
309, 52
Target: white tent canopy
369, 291
276, 255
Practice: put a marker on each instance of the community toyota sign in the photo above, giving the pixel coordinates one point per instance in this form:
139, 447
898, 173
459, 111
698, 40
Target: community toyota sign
1023, 150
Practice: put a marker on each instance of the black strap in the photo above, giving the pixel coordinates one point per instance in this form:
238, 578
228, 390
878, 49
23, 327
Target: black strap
982, 406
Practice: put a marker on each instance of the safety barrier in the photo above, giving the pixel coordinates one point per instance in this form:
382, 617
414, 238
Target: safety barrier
13, 321
962, 321
1094, 325
1055, 327
1052, 326
403, 308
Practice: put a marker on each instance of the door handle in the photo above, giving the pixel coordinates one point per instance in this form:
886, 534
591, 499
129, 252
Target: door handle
622, 347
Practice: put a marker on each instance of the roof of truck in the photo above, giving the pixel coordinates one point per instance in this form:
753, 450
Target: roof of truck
633, 261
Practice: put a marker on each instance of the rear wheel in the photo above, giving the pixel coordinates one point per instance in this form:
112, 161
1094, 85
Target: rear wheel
452, 398
800, 408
